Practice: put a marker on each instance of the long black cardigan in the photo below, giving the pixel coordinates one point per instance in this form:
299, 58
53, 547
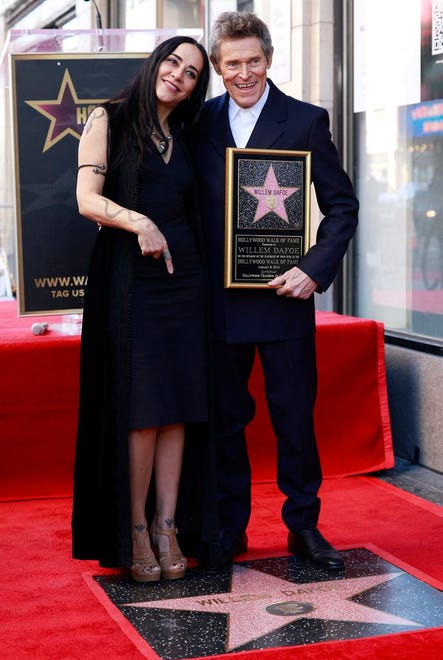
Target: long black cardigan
101, 519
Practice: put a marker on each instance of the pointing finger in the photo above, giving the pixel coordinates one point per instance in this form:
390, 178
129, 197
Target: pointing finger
168, 261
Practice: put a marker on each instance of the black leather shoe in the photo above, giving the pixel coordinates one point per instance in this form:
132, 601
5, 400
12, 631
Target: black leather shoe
309, 543
231, 545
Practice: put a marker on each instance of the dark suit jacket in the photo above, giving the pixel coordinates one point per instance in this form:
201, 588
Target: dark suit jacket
244, 315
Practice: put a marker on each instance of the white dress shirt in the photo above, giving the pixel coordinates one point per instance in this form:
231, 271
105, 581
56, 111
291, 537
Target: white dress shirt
243, 120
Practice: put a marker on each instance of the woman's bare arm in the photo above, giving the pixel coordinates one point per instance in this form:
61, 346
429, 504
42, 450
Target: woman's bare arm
92, 164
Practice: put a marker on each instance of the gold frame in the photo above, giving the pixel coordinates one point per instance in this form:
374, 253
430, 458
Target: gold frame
275, 235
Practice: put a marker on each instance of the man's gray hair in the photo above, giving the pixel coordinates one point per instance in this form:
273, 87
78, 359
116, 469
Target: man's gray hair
237, 25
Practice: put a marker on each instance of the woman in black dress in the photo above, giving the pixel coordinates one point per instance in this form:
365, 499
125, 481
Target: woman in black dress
143, 363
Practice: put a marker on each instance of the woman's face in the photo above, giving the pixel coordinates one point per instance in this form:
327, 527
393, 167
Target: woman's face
178, 75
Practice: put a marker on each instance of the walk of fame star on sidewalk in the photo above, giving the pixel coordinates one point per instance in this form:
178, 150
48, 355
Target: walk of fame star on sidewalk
273, 602
252, 592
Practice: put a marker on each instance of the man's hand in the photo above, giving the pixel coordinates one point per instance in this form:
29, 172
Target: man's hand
294, 284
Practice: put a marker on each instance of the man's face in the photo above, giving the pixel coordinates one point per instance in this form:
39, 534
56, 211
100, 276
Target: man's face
243, 67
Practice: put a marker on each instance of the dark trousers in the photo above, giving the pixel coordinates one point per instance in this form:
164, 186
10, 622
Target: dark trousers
290, 375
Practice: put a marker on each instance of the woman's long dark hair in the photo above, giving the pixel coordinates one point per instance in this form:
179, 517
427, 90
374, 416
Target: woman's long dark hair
137, 103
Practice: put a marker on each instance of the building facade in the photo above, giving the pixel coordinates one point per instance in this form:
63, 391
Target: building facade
385, 98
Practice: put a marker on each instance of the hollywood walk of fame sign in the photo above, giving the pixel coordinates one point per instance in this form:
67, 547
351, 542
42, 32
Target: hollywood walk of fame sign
52, 96
267, 228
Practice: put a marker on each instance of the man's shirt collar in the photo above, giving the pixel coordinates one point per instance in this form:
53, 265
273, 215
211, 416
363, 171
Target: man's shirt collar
255, 109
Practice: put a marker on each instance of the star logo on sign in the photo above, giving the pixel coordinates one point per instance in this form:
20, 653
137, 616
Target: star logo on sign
271, 197
259, 603
67, 114
38, 196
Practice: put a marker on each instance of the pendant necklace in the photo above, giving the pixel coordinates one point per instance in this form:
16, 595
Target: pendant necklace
163, 143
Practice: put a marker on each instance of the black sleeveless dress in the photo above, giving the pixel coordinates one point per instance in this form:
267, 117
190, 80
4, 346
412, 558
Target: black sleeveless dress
168, 364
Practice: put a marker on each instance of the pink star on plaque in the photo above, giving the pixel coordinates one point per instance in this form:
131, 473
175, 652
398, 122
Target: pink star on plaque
271, 197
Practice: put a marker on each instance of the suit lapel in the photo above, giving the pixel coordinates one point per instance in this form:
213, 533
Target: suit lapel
221, 137
271, 122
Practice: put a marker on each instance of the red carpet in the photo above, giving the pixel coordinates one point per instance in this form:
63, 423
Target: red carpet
49, 612
47, 609
39, 395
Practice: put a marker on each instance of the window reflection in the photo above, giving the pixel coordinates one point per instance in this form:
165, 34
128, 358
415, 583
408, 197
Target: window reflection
400, 238
399, 160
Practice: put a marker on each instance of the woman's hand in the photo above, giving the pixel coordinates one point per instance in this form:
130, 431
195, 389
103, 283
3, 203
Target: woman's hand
153, 243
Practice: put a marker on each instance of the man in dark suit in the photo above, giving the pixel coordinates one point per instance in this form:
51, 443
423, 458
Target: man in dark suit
278, 322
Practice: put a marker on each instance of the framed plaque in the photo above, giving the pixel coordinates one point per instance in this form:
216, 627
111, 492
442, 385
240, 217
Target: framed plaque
267, 221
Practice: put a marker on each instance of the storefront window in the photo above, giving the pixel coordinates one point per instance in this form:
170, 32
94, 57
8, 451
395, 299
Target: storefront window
189, 14
398, 104
139, 13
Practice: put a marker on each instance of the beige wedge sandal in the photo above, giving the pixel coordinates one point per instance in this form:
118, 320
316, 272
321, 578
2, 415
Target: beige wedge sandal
172, 562
144, 567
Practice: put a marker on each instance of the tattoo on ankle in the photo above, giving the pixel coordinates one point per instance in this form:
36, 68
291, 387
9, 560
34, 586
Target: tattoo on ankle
140, 528
169, 522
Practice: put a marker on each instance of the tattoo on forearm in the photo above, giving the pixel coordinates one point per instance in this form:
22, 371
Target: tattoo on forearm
136, 217
98, 113
170, 522
132, 216
140, 527
108, 213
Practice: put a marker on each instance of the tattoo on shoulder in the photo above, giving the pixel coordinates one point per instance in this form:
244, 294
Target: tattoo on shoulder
98, 113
